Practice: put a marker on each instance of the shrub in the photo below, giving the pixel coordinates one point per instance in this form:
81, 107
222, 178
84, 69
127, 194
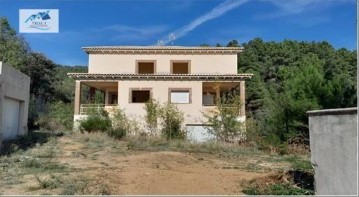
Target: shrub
59, 117
172, 120
117, 133
223, 121
121, 125
152, 111
96, 121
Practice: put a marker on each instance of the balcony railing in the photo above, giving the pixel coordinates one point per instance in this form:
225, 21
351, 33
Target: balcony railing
88, 108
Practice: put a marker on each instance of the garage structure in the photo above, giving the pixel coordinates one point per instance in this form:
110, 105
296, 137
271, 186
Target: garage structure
14, 102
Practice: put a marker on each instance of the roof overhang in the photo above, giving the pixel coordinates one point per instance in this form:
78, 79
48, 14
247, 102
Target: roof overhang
162, 77
161, 50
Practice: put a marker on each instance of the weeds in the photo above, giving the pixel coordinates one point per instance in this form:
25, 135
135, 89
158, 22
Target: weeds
277, 189
160, 144
48, 183
95, 122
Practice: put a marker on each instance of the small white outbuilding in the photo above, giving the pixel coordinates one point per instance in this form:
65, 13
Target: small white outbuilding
14, 102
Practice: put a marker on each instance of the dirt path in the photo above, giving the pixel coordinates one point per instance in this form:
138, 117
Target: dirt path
156, 172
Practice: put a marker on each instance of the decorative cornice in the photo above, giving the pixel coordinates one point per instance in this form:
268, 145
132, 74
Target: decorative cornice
158, 77
150, 50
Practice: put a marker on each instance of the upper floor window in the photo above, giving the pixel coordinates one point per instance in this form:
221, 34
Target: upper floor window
180, 67
146, 67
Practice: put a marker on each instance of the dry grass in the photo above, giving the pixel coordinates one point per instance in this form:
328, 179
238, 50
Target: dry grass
94, 163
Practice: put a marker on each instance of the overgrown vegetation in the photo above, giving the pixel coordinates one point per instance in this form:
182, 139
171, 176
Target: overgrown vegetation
122, 125
223, 121
117, 125
57, 117
96, 121
169, 117
171, 122
293, 182
152, 113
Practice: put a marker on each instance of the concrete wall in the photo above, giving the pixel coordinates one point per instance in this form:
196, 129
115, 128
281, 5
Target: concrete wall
15, 86
334, 153
199, 64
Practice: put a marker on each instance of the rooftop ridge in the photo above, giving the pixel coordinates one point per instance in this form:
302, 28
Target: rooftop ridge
162, 50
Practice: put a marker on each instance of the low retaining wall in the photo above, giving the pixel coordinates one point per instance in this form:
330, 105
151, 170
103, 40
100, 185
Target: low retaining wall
333, 145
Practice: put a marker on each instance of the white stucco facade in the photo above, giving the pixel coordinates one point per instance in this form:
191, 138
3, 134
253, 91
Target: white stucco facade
14, 102
115, 72
200, 63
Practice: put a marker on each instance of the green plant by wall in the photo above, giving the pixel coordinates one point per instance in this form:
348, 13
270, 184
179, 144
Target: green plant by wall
58, 117
223, 121
96, 121
171, 122
121, 125
152, 108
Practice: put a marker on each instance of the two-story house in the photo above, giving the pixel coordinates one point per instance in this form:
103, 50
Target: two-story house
191, 77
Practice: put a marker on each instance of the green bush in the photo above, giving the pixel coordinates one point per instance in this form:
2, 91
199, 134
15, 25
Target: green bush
152, 112
223, 121
96, 122
172, 120
121, 125
117, 133
277, 189
58, 117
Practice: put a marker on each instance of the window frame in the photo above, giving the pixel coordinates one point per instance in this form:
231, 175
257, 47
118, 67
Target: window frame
138, 89
181, 61
146, 61
189, 90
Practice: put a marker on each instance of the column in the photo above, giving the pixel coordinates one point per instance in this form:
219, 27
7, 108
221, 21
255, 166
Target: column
77, 97
118, 94
242, 90
107, 97
217, 88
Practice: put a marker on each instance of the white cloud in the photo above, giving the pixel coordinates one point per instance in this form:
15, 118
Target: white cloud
131, 33
292, 7
214, 13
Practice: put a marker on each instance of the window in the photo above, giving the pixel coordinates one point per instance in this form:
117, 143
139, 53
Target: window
140, 96
180, 67
145, 67
208, 98
113, 98
180, 96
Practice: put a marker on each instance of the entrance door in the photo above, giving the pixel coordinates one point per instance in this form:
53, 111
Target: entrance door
11, 115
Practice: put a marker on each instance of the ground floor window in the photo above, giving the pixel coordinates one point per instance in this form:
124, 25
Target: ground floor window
180, 96
140, 96
209, 98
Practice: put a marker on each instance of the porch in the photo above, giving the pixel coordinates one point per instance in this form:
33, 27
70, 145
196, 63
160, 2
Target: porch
99, 95
95, 96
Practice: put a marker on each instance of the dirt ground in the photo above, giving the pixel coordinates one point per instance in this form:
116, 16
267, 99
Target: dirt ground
162, 172
112, 169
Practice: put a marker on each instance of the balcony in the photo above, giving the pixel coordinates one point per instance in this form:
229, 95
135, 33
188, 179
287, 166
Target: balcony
86, 109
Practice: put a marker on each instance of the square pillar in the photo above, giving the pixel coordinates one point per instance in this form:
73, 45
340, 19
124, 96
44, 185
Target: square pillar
77, 97
107, 97
217, 89
242, 90
118, 93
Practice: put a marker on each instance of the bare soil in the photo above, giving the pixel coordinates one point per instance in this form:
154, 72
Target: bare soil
101, 168
165, 172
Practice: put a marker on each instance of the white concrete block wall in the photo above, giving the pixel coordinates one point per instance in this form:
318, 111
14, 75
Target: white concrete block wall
334, 153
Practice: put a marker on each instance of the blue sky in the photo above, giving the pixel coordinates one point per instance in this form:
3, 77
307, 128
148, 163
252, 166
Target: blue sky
118, 22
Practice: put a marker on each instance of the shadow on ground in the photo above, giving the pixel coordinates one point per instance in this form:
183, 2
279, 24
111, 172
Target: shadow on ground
32, 139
